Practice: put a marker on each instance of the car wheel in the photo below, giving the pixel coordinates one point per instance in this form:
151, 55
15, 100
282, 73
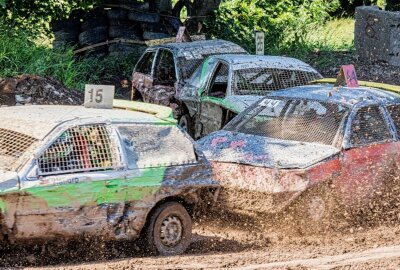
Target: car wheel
170, 230
316, 211
185, 122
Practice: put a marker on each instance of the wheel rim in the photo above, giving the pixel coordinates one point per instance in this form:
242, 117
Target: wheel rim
171, 231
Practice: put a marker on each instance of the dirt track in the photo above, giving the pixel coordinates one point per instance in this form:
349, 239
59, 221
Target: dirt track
246, 245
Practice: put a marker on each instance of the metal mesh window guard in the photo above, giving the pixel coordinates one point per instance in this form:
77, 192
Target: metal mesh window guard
12, 146
155, 146
298, 120
81, 148
369, 127
188, 67
394, 111
259, 81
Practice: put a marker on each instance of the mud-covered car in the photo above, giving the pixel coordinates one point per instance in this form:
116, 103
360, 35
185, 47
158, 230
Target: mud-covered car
163, 69
316, 148
225, 85
115, 174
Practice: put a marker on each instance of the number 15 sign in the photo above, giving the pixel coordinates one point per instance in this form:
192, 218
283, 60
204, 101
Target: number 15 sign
99, 96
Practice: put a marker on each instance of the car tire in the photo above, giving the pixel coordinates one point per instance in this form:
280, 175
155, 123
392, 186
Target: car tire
173, 218
185, 122
316, 211
122, 32
93, 36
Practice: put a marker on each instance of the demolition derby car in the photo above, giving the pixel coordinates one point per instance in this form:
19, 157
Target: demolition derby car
313, 147
225, 85
163, 69
115, 174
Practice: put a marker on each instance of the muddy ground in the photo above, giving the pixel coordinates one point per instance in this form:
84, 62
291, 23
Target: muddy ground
224, 243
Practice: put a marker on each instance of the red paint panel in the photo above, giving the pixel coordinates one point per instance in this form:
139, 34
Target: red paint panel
324, 171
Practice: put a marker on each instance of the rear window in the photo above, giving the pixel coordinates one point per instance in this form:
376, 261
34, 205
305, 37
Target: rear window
12, 146
295, 120
258, 81
148, 146
145, 64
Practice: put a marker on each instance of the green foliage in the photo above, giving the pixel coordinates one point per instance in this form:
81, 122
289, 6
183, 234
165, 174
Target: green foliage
284, 22
35, 15
19, 54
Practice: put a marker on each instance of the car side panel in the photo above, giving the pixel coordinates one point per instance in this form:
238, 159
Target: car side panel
365, 171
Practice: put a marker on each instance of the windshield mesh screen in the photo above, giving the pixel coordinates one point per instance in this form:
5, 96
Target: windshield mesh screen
298, 120
14, 144
259, 81
81, 148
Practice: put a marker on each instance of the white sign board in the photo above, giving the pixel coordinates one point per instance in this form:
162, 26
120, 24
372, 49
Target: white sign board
260, 38
99, 96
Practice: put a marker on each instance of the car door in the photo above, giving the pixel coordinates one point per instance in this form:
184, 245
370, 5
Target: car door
151, 152
164, 79
142, 77
76, 186
369, 156
211, 112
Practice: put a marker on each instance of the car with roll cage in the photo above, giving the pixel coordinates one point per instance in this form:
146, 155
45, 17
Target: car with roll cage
115, 174
163, 69
225, 85
318, 149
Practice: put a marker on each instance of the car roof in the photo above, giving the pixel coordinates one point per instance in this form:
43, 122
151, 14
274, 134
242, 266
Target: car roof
202, 47
243, 61
349, 97
38, 120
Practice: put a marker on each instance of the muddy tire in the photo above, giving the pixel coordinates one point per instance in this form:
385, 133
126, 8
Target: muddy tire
118, 14
91, 23
121, 32
169, 230
185, 122
143, 17
93, 36
317, 211
154, 35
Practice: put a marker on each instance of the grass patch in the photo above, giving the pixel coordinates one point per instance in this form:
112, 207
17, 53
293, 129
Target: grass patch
330, 45
21, 55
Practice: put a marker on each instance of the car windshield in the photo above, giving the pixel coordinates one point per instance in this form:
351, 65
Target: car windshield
295, 120
259, 81
12, 146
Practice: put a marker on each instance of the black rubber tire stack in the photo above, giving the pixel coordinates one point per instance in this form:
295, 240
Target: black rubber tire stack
117, 19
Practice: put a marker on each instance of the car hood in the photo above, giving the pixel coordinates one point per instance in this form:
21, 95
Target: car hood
237, 103
8, 181
226, 146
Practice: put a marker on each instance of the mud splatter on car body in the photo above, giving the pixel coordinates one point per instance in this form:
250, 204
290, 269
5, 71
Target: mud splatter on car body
163, 69
225, 85
69, 171
299, 139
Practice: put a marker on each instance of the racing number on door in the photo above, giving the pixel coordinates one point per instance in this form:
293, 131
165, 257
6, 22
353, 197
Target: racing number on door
96, 95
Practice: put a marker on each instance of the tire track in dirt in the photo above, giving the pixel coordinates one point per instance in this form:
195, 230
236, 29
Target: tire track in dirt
330, 262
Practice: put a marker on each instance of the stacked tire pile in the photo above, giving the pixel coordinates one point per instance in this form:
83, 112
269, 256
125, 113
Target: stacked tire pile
122, 25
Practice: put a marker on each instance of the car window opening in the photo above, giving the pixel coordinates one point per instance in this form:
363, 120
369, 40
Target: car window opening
219, 82
369, 127
148, 146
259, 81
146, 63
299, 120
165, 68
81, 148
